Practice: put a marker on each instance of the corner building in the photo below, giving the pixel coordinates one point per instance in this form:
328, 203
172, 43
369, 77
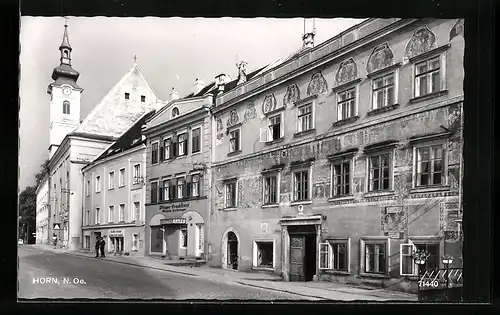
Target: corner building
342, 160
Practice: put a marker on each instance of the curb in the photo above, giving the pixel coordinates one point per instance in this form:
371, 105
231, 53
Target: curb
280, 290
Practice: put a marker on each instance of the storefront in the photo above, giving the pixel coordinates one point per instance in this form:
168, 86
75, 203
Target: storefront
127, 240
177, 230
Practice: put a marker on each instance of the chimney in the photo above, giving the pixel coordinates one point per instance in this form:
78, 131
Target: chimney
308, 40
174, 95
242, 71
198, 86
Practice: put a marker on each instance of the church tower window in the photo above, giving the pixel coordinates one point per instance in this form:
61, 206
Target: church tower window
127, 96
66, 107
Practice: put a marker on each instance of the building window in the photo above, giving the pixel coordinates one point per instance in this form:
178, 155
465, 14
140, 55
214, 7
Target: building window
154, 153
87, 242
384, 91
97, 215
433, 249
407, 265
127, 96
196, 140
184, 236
137, 209
335, 255
234, 140
270, 189
137, 173
427, 77
406, 259
121, 178
88, 188
263, 254
275, 127
375, 258
341, 178
98, 184
66, 107
143, 98
230, 190
166, 189
121, 214
305, 118
167, 143
195, 185
430, 165
346, 104
181, 183
135, 242
154, 192
111, 182
301, 185
175, 112
380, 172
182, 144
111, 214
87, 218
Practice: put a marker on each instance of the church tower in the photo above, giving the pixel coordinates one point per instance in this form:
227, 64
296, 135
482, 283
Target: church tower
65, 97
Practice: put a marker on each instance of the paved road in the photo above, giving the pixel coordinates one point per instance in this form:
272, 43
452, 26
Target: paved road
45, 274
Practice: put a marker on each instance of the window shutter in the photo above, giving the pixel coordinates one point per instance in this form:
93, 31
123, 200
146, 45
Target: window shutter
160, 192
264, 134
282, 126
186, 145
405, 251
200, 183
173, 149
171, 191
162, 151
188, 186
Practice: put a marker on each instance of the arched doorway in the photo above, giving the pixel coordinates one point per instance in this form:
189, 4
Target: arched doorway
156, 237
230, 249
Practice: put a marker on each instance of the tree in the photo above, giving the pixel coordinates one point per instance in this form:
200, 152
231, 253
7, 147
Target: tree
44, 170
27, 212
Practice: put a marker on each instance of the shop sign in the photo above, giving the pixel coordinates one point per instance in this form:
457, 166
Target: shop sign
395, 235
115, 233
174, 221
173, 207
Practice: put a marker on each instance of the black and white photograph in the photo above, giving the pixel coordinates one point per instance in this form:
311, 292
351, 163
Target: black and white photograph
273, 159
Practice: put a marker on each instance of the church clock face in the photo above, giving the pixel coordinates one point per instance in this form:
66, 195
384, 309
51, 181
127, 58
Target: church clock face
66, 91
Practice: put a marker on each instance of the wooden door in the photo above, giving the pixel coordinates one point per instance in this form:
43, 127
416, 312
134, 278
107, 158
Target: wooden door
297, 246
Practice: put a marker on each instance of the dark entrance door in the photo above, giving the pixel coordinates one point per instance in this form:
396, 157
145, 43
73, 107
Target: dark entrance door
302, 252
232, 251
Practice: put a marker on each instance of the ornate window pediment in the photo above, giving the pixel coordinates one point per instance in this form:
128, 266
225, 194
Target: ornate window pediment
317, 85
269, 104
422, 40
347, 72
292, 95
380, 58
233, 118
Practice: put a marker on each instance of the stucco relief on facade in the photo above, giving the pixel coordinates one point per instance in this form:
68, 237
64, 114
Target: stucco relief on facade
348, 71
250, 112
292, 95
233, 118
422, 40
317, 85
447, 225
380, 58
393, 221
269, 104
457, 29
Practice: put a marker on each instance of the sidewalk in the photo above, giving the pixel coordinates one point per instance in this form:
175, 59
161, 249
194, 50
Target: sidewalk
320, 289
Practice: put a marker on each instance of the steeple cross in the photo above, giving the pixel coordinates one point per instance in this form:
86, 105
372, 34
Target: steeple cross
66, 20
135, 58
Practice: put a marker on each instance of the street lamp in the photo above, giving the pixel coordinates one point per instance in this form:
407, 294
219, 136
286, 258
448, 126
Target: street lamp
420, 257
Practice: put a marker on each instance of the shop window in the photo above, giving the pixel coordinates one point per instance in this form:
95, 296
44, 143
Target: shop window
263, 254
334, 255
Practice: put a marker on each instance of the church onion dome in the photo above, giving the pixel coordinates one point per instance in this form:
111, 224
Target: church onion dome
65, 70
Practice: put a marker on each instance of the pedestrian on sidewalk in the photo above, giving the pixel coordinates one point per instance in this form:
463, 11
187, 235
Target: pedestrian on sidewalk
55, 241
97, 246
101, 245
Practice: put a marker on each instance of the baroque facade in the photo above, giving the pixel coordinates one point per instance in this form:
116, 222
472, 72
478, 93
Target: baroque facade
339, 162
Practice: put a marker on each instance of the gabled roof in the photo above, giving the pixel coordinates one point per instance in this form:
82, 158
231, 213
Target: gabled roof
232, 85
130, 139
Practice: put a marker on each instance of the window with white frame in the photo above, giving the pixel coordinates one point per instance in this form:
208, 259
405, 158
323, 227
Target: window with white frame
380, 171
334, 255
375, 256
121, 178
301, 182
154, 153
341, 177
111, 180
97, 184
182, 144
137, 173
230, 194
121, 214
166, 189
271, 189
276, 127
346, 104
111, 214
406, 263
154, 192
305, 120
88, 188
384, 91
430, 166
428, 76
407, 266
196, 140
234, 140
432, 248
181, 187
97, 215
195, 185
263, 254
167, 147
137, 211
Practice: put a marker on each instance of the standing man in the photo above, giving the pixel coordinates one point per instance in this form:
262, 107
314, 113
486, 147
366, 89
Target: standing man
97, 246
101, 244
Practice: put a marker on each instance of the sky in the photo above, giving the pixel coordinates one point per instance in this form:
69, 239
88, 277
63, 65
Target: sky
171, 52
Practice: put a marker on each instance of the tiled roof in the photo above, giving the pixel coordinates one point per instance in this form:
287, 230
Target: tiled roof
130, 139
231, 85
